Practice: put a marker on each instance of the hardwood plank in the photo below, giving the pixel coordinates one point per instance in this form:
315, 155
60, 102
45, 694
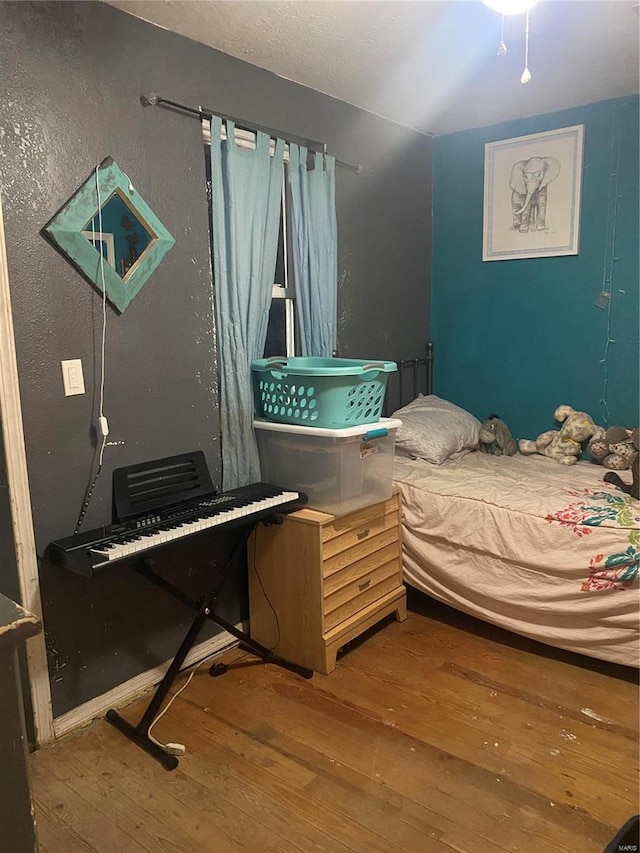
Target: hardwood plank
371, 751
358, 797
351, 741
125, 812
268, 804
453, 635
535, 713
74, 810
52, 837
573, 690
276, 770
285, 798
205, 783
196, 813
521, 754
621, 707
394, 750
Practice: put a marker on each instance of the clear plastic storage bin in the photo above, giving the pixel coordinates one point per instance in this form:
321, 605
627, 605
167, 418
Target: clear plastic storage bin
340, 470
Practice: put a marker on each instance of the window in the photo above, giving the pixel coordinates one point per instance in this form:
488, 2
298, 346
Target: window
281, 330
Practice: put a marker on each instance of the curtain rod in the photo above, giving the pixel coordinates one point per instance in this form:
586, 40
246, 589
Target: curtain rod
153, 100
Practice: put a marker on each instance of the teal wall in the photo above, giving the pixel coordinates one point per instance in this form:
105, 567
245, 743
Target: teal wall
520, 337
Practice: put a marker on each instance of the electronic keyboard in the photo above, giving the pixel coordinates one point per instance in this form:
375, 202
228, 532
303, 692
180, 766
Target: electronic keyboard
148, 514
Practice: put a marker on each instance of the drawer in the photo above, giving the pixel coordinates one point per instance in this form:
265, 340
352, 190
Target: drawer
348, 600
339, 537
370, 544
361, 568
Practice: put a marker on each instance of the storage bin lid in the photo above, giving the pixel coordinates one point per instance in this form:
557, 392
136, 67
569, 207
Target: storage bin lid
375, 430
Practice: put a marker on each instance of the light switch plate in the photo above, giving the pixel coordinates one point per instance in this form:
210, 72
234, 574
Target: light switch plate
72, 377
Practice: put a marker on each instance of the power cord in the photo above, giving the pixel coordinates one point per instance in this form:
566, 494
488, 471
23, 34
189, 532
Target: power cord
103, 424
178, 748
264, 592
173, 748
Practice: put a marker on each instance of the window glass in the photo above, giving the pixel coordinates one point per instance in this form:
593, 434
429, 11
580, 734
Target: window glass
276, 342
280, 269
281, 331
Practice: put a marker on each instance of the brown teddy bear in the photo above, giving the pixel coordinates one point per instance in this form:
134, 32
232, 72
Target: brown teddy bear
615, 450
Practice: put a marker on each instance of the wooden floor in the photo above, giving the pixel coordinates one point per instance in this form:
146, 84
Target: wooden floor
437, 734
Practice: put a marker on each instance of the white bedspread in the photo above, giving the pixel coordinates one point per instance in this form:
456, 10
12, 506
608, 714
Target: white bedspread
546, 550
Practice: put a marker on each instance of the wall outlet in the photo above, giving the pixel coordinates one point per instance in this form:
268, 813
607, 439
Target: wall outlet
72, 377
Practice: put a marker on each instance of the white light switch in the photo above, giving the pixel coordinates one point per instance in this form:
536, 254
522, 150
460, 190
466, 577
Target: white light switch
72, 377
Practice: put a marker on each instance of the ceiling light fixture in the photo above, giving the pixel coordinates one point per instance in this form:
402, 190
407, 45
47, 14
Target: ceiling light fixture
514, 7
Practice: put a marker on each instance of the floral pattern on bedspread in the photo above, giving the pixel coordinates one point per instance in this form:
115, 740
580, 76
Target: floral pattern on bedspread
618, 571
593, 509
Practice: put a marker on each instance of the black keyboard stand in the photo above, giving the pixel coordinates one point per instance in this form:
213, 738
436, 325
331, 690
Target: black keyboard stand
204, 610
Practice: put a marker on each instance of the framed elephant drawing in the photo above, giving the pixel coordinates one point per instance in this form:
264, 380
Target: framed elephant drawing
532, 189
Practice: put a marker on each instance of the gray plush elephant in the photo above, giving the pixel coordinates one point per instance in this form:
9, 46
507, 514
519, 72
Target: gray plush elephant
496, 438
529, 181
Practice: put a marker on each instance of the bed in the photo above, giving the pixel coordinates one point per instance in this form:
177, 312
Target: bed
545, 550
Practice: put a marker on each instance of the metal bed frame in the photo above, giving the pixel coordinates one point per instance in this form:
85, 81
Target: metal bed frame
414, 376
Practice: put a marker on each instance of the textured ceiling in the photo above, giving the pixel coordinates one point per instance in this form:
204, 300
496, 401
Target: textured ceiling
427, 65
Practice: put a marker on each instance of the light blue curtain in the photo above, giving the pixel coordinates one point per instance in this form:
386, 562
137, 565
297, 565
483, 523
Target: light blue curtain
246, 193
315, 250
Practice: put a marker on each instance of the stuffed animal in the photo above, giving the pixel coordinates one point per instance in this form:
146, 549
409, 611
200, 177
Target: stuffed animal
496, 438
632, 488
564, 445
616, 449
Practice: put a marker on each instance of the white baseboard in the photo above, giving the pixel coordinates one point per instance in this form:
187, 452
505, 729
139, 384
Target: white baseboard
126, 692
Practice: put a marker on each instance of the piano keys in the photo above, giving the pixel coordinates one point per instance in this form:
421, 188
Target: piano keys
160, 503
150, 512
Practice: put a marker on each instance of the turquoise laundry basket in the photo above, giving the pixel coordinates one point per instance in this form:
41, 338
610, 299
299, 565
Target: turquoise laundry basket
333, 393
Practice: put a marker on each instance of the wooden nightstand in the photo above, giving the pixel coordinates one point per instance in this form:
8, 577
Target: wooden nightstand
318, 580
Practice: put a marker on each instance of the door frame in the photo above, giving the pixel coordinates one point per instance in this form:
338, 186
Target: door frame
20, 502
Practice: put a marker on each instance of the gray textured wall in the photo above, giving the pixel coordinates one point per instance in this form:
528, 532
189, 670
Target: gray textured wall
73, 74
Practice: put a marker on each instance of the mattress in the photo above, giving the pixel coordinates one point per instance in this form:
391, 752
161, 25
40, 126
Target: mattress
542, 549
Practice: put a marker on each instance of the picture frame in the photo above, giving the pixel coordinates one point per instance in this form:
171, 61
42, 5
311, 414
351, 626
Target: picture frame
104, 215
532, 195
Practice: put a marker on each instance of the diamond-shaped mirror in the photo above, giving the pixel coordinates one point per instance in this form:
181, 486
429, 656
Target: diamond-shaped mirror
110, 234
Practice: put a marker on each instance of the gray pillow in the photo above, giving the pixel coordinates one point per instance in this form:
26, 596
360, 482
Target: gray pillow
434, 429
